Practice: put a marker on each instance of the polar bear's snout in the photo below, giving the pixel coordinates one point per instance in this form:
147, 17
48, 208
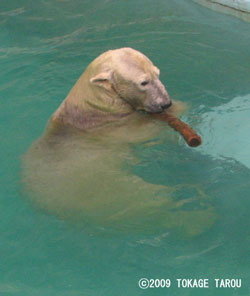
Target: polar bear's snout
157, 108
166, 106
157, 98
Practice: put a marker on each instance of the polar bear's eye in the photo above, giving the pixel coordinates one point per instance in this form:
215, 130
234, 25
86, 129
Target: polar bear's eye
143, 83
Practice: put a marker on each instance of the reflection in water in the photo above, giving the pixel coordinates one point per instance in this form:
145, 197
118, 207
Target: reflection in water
204, 61
225, 130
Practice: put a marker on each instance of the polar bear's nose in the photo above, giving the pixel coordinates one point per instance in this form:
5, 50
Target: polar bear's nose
166, 105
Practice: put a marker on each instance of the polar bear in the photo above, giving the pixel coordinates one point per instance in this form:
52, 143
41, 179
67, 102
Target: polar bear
79, 168
114, 84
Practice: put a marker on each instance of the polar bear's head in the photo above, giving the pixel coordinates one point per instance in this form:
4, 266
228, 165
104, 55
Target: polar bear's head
133, 78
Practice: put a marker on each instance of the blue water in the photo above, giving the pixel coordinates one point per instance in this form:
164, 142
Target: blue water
204, 59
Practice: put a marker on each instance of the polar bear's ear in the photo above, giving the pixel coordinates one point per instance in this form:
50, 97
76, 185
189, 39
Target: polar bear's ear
157, 71
103, 79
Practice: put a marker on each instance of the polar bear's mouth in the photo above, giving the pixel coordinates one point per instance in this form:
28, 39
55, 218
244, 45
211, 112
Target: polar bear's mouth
152, 109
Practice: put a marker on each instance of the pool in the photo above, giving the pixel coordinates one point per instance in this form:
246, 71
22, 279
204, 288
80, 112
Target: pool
204, 61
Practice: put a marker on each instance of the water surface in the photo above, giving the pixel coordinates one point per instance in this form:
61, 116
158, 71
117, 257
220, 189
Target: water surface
204, 59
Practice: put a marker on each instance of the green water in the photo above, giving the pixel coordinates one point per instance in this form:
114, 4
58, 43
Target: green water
204, 59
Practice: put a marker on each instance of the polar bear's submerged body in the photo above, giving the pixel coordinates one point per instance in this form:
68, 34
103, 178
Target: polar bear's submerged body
75, 170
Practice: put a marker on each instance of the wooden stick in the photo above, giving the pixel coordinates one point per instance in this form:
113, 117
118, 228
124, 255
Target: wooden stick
190, 136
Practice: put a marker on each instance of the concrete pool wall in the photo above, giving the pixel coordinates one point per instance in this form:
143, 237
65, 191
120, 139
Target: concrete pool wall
238, 8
